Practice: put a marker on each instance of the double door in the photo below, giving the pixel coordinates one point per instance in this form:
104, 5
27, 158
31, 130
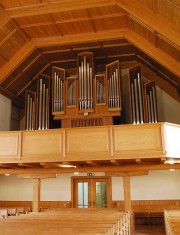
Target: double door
89, 192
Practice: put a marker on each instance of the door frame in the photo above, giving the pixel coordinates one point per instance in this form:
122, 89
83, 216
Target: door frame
109, 187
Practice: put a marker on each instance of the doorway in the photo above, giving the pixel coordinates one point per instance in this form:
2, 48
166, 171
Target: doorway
91, 192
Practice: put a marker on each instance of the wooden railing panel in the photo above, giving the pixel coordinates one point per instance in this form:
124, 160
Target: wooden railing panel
10, 145
137, 140
171, 138
91, 143
42, 145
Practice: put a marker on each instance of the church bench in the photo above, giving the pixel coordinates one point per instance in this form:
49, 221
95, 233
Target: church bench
82, 223
3, 213
172, 221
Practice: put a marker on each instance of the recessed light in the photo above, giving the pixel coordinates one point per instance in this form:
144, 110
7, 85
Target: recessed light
7, 174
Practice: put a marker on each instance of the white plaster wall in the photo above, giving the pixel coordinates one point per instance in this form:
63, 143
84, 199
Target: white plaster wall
15, 189
157, 185
5, 113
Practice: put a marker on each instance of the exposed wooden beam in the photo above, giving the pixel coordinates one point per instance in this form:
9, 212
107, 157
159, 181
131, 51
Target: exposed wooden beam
37, 176
29, 165
155, 53
16, 100
92, 163
138, 161
152, 20
16, 60
80, 38
115, 162
91, 169
133, 173
60, 6
161, 83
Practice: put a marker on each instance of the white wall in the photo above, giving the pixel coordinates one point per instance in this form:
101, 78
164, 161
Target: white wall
157, 185
5, 113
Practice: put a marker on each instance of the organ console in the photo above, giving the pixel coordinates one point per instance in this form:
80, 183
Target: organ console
89, 99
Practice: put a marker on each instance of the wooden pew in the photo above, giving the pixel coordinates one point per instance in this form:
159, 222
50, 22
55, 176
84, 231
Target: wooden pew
172, 221
3, 213
67, 222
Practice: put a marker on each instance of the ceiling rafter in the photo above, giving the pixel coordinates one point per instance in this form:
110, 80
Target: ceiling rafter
154, 21
60, 6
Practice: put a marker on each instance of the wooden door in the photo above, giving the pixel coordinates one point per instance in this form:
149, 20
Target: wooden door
91, 192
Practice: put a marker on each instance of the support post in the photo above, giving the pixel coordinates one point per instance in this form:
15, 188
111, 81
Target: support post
127, 199
36, 194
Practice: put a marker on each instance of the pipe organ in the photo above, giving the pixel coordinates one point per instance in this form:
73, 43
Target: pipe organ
151, 102
43, 96
89, 99
113, 80
30, 110
136, 95
58, 84
85, 79
139, 98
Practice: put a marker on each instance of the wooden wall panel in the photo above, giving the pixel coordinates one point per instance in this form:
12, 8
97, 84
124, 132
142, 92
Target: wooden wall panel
133, 140
171, 140
10, 145
42, 145
91, 143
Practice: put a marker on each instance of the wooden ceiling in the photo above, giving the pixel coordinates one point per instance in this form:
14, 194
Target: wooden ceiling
37, 34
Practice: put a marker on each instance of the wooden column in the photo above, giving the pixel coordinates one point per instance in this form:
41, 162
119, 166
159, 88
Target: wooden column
36, 194
36, 187
127, 199
127, 193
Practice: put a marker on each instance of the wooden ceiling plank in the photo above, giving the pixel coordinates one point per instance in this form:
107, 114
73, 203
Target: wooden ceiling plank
16, 60
60, 6
13, 80
24, 88
8, 36
156, 54
154, 21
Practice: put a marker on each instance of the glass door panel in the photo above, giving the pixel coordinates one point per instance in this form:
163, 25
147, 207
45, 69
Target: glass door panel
83, 194
101, 194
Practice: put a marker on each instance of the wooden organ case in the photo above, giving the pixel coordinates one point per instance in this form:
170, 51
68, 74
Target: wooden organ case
89, 99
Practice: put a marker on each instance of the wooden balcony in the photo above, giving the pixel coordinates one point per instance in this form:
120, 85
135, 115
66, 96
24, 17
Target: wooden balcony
123, 146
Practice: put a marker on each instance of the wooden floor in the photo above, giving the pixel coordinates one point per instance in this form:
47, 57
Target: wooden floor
143, 230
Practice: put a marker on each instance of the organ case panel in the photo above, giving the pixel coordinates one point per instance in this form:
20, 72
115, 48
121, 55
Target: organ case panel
43, 94
30, 110
151, 102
